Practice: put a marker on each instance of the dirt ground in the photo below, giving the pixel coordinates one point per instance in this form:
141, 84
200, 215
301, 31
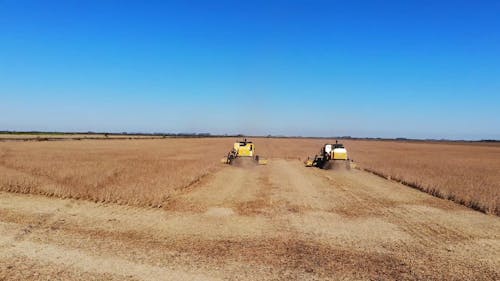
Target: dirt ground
276, 222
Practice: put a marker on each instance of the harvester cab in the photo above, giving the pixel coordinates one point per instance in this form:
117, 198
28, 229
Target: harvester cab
328, 154
243, 149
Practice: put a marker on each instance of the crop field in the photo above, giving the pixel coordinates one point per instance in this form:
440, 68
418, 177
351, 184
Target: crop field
167, 209
137, 172
68, 136
147, 172
468, 174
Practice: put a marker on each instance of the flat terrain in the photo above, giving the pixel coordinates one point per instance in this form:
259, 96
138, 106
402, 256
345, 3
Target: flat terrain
145, 172
467, 173
68, 136
276, 222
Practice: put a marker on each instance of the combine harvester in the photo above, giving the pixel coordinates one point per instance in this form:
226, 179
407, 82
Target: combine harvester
329, 156
243, 149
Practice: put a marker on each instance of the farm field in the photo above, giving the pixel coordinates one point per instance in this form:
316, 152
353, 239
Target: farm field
148, 172
137, 172
249, 140
43, 136
215, 222
467, 173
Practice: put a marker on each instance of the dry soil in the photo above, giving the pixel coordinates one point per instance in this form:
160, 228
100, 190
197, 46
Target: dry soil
276, 222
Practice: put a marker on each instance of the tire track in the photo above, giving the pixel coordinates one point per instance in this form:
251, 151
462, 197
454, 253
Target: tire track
275, 222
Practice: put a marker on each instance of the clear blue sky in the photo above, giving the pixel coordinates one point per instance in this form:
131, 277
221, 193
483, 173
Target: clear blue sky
313, 68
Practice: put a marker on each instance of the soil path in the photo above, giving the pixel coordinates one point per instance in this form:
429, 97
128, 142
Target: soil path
276, 222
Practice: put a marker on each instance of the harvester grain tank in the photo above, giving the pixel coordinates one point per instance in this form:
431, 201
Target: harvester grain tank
243, 149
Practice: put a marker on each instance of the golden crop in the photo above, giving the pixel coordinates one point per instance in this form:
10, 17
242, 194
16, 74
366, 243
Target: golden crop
149, 172
466, 173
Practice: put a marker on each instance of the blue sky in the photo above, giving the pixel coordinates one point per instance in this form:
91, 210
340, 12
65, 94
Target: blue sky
419, 69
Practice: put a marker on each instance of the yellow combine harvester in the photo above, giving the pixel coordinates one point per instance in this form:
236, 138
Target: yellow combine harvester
329, 153
243, 149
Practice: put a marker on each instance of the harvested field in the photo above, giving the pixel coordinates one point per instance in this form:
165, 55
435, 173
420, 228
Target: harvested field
275, 222
218, 222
